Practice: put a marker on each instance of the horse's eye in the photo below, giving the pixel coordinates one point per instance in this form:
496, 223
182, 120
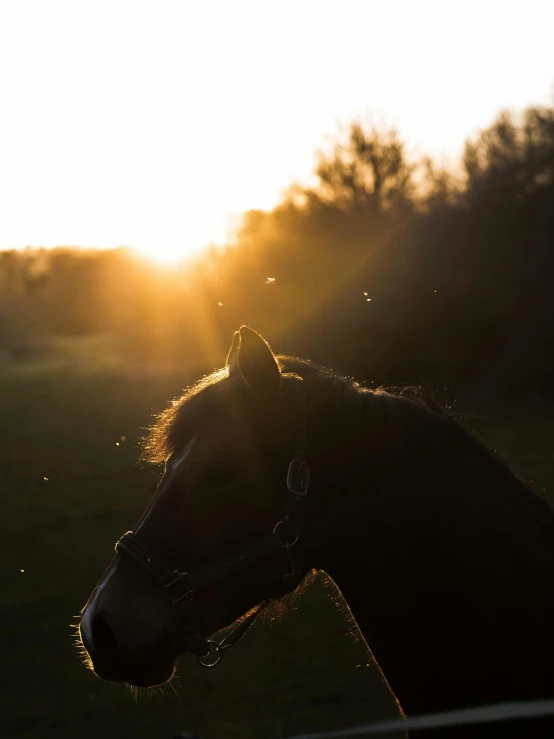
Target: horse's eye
219, 475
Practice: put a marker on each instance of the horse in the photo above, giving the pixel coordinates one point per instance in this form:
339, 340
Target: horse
276, 468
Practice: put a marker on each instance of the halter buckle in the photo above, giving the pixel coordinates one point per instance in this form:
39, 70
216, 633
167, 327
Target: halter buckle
217, 650
179, 580
285, 524
298, 477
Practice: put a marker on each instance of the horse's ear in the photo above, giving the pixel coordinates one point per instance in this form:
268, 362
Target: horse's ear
233, 356
257, 364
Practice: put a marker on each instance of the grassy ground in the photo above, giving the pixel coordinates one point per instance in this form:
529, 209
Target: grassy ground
69, 487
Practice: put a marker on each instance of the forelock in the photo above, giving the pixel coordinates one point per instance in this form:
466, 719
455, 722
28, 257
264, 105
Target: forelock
174, 426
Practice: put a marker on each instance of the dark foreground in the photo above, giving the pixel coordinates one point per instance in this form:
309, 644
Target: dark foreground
304, 671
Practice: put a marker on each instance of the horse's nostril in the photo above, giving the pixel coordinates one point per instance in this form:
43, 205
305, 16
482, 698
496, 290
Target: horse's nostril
103, 637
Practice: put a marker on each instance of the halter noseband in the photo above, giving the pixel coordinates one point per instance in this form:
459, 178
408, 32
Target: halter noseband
181, 587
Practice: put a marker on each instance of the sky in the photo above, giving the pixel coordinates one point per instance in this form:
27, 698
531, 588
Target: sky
154, 124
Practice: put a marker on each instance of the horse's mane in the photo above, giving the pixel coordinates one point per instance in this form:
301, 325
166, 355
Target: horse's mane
406, 417
403, 405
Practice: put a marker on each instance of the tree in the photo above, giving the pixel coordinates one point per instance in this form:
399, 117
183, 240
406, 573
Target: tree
512, 159
367, 170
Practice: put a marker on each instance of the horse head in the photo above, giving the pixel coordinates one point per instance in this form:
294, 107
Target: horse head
215, 540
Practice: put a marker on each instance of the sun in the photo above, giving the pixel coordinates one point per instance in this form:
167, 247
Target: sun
171, 238
167, 254
169, 242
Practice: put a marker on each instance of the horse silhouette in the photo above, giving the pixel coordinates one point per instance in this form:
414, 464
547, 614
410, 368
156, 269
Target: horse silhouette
444, 556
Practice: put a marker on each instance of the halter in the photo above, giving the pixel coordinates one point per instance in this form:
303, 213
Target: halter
181, 587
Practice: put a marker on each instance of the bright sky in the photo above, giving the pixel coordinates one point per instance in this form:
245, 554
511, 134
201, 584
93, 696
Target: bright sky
151, 123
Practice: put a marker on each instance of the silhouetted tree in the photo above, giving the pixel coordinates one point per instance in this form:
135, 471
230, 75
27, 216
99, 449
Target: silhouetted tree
366, 170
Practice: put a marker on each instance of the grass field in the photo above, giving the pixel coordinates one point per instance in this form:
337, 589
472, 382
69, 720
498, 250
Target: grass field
70, 486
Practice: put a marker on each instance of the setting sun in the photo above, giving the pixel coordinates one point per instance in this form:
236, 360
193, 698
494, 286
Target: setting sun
167, 254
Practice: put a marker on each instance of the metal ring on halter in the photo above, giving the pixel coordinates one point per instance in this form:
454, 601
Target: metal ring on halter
218, 655
288, 543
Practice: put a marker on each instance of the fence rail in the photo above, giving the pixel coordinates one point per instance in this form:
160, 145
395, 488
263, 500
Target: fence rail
460, 717
445, 719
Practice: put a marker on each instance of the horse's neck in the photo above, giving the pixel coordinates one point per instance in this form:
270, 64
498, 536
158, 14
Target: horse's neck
427, 574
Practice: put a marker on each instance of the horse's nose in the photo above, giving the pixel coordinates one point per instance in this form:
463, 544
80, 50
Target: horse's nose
104, 639
101, 641
124, 648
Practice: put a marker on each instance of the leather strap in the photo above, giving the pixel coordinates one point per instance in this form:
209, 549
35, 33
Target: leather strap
181, 586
